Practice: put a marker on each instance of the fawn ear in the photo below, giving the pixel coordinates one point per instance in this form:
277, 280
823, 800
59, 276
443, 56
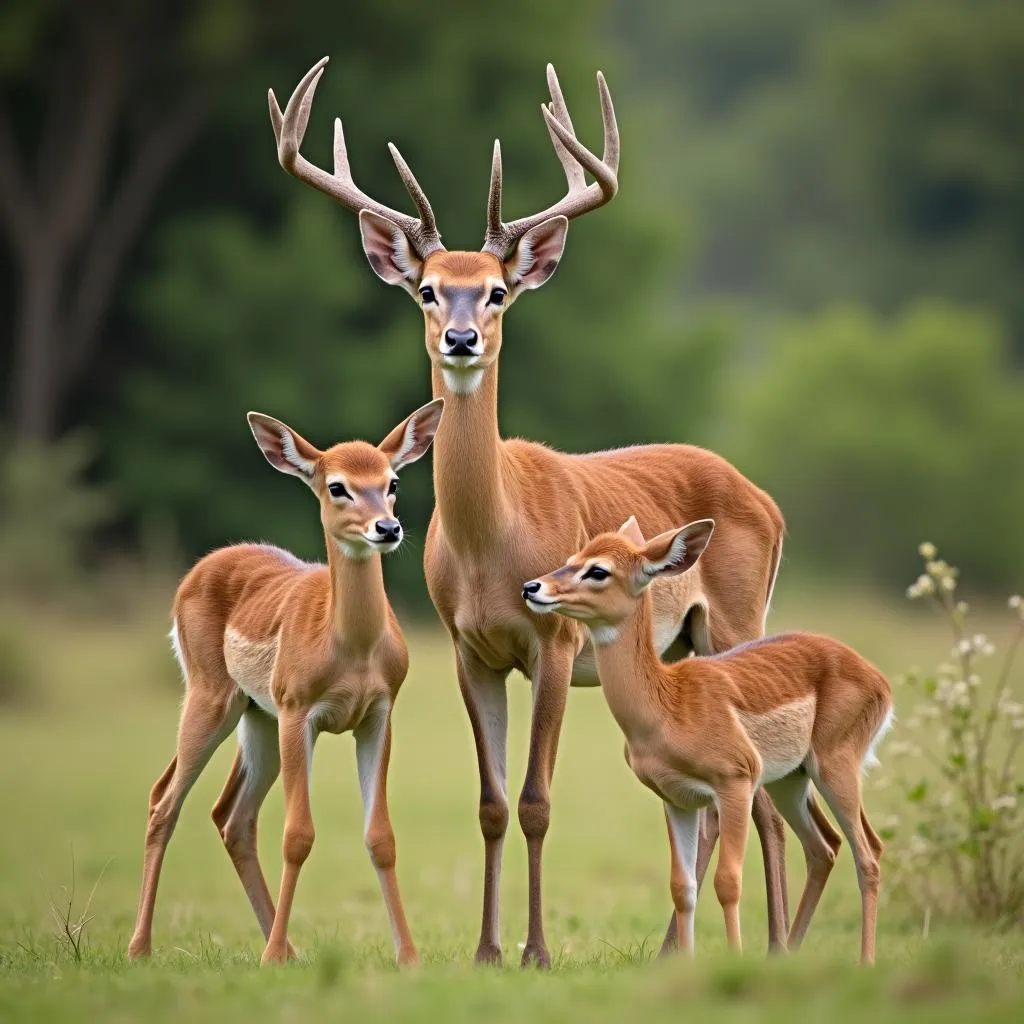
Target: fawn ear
674, 552
630, 529
389, 251
410, 440
285, 450
536, 255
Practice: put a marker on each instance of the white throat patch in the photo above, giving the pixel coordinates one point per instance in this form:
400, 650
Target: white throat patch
604, 635
462, 382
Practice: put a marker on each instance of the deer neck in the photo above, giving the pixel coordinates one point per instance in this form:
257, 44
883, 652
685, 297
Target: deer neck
469, 479
358, 608
630, 670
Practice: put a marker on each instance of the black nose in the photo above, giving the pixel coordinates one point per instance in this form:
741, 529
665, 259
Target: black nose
389, 529
460, 343
530, 588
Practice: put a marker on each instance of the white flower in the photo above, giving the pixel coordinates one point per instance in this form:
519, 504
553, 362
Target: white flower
948, 583
963, 648
1004, 803
1015, 601
927, 550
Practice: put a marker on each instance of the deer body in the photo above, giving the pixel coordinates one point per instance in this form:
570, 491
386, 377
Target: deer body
507, 509
778, 713
284, 650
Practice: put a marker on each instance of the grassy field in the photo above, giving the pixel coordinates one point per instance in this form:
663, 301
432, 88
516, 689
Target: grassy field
76, 766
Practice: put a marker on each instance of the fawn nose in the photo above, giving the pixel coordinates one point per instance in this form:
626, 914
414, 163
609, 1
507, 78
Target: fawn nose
530, 588
388, 529
460, 343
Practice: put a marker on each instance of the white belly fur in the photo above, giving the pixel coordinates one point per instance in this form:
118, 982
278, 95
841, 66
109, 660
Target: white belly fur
781, 736
250, 664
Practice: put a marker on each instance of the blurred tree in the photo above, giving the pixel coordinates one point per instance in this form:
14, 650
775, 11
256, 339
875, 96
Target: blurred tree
106, 95
839, 149
875, 434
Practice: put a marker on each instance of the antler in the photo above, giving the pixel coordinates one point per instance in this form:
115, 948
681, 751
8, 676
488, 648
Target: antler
289, 129
574, 157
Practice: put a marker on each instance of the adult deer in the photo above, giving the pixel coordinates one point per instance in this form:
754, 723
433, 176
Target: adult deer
507, 509
777, 712
286, 650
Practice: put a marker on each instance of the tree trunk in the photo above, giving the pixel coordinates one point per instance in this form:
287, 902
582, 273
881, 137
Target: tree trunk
35, 376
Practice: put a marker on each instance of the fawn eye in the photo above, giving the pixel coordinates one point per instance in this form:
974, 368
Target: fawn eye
393, 487
337, 490
497, 297
596, 572
427, 295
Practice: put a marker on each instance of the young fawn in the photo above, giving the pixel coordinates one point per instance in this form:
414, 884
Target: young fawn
779, 713
286, 650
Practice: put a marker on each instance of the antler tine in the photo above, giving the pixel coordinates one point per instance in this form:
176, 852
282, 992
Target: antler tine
415, 190
289, 129
276, 117
573, 172
494, 193
610, 155
575, 158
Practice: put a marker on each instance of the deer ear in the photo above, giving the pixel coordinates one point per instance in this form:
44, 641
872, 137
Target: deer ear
389, 251
410, 440
537, 254
284, 448
674, 552
630, 529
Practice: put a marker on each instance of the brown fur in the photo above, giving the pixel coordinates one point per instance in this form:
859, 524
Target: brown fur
290, 650
766, 713
508, 509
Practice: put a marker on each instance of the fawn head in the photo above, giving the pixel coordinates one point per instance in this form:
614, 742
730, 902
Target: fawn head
463, 295
355, 482
601, 585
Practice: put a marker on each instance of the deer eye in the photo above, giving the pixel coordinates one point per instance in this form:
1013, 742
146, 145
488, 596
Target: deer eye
337, 490
427, 295
393, 487
497, 297
597, 573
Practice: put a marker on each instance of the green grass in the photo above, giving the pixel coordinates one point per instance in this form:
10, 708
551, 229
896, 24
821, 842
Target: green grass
76, 764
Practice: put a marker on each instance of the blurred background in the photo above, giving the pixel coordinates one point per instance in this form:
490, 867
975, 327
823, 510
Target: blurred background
813, 266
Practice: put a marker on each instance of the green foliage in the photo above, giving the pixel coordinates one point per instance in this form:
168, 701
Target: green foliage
836, 150
864, 428
48, 514
957, 849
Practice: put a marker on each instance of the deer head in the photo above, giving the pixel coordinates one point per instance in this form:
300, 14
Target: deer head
601, 585
463, 295
355, 482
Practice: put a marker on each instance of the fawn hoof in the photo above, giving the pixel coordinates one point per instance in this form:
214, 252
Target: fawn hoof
488, 955
536, 956
139, 949
278, 954
408, 958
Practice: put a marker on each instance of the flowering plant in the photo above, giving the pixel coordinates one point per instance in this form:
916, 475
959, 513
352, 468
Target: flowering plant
959, 848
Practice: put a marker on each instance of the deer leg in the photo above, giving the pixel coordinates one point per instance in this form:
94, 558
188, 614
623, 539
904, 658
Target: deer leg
794, 800
838, 779
550, 689
257, 764
206, 721
373, 752
296, 744
734, 804
707, 837
484, 694
771, 832
683, 830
